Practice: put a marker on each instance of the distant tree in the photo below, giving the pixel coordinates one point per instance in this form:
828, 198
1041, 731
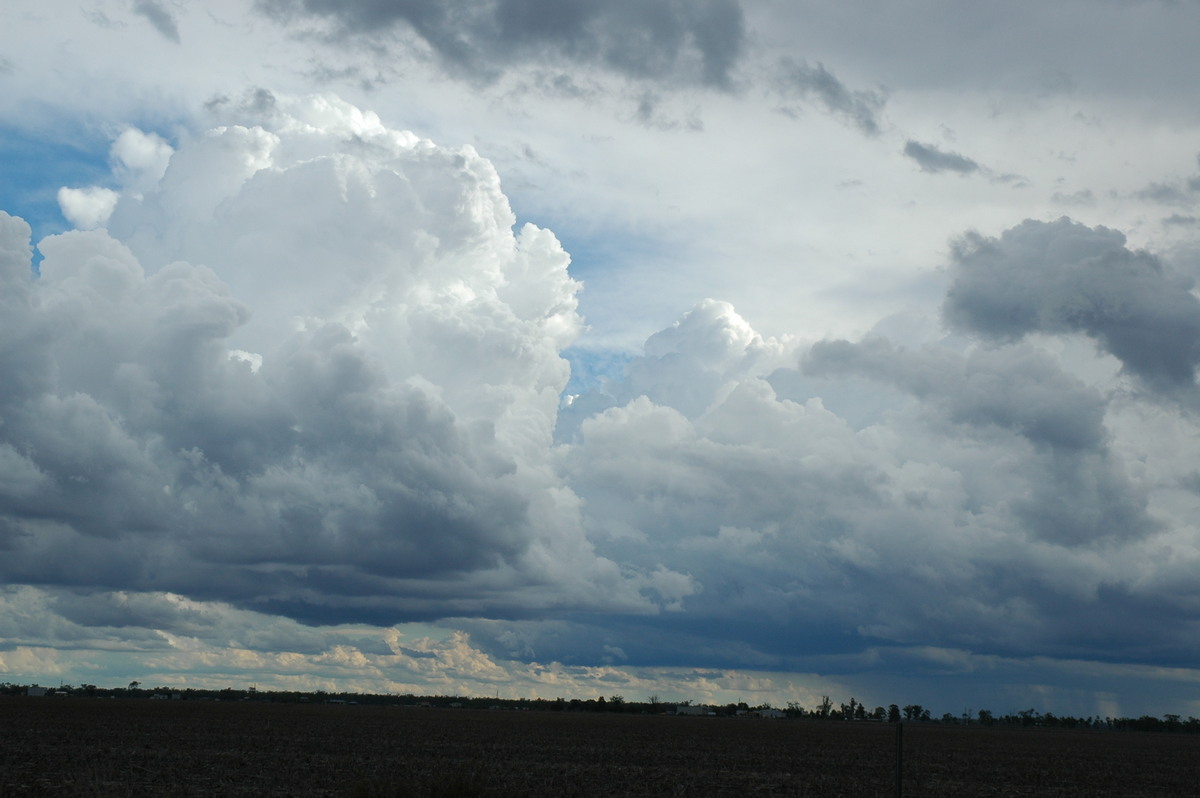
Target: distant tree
1147, 723
135, 684
825, 707
985, 717
893, 713
616, 703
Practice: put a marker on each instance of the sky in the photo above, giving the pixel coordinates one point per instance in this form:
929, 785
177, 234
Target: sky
725, 350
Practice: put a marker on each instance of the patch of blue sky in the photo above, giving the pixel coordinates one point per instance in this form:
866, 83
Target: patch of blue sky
598, 250
36, 163
602, 260
592, 369
618, 261
596, 375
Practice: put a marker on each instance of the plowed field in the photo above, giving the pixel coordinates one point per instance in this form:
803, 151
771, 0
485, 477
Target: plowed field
79, 746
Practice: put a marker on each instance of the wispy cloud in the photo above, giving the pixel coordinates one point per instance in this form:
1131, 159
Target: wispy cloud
934, 160
158, 16
860, 107
699, 42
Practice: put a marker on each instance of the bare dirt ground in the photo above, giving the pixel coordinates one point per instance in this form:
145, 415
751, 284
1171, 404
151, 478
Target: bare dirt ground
80, 746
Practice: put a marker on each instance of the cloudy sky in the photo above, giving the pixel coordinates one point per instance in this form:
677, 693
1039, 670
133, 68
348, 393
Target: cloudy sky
713, 350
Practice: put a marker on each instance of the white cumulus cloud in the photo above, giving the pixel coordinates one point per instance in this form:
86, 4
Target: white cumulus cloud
313, 370
87, 208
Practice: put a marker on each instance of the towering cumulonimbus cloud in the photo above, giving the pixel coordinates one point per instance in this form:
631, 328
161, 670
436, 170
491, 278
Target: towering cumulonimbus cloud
311, 370
305, 367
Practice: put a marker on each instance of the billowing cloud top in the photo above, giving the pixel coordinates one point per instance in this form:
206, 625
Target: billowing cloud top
309, 368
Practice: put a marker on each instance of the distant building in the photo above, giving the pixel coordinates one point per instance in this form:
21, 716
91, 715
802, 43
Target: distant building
687, 709
769, 713
35, 690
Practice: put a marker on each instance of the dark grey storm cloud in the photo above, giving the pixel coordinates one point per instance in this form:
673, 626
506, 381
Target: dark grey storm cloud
1084, 196
1064, 277
159, 17
127, 423
1183, 192
933, 160
1169, 193
1012, 388
799, 78
949, 521
699, 41
1023, 392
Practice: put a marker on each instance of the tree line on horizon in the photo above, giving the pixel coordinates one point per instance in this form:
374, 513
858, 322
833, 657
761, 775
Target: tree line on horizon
826, 710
